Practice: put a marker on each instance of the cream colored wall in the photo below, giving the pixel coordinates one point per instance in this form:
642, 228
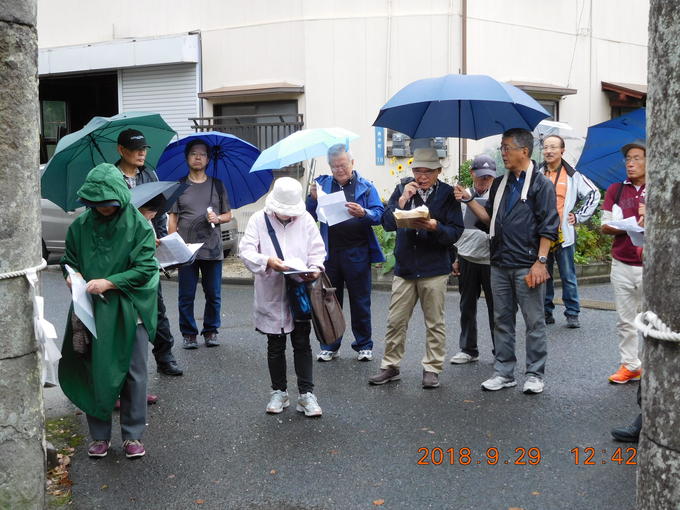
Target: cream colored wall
340, 50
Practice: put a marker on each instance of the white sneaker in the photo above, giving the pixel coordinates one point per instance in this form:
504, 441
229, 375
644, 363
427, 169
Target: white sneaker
498, 382
327, 355
533, 384
463, 357
307, 404
365, 355
278, 402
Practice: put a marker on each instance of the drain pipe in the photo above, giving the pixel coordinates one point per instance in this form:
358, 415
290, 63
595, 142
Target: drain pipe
462, 142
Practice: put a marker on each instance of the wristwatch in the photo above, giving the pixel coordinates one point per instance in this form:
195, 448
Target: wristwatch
543, 260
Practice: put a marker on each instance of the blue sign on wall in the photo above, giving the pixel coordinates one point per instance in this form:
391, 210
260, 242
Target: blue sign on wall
380, 146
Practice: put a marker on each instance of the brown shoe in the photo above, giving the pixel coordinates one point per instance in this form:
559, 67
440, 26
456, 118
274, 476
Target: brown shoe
384, 376
430, 379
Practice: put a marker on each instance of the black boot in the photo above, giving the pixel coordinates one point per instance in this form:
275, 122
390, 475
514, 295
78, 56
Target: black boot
629, 434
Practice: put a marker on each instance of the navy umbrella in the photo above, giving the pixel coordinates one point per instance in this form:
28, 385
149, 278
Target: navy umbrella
601, 159
230, 161
459, 106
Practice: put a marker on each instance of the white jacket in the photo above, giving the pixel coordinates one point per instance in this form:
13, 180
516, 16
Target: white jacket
579, 188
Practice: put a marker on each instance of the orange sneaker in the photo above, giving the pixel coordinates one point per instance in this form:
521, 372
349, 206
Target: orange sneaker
623, 375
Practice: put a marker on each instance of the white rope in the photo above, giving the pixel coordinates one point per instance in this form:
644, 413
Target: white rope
649, 324
22, 272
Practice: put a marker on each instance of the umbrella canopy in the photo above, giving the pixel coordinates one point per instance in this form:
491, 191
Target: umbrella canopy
230, 161
573, 142
460, 106
168, 190
77, 153
601, 159
300, 146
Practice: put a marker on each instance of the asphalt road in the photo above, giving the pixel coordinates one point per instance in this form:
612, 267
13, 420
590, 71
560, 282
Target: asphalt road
211, 445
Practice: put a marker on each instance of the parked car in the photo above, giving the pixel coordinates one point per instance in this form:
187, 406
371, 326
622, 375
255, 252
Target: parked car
55, 223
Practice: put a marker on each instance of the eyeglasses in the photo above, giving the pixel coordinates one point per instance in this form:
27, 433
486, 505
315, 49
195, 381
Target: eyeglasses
198, 154
344, 166
551, 147
635, 159
507, 148
424, 172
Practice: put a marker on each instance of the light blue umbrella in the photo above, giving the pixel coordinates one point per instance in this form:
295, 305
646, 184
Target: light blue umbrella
300, 146
459, 106
230, 162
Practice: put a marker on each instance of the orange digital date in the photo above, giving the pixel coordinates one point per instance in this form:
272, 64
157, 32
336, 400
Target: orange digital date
464, 456
589, 456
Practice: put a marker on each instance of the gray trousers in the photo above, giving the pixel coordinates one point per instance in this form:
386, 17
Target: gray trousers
509, 290
132, 396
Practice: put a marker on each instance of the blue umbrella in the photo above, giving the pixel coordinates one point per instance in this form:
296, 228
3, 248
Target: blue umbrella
460, 106
230, 162
601, 159
300, 146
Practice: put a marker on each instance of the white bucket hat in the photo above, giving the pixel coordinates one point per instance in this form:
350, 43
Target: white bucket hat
286, 198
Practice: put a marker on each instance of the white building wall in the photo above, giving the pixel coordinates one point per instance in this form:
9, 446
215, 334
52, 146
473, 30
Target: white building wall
352, 55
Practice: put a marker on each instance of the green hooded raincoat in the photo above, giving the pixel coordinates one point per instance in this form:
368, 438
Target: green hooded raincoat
120, 248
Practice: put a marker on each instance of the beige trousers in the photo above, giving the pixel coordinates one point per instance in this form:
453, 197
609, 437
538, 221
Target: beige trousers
627, 284
405, 293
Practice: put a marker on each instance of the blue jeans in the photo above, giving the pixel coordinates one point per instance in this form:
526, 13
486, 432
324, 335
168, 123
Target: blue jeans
351, 268
510, 290
564, 256
211, 281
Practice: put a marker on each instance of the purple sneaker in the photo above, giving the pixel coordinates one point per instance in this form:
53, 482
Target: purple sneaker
98, 448
133, 448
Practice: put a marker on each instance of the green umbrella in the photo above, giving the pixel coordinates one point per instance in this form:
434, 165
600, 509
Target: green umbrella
77, 153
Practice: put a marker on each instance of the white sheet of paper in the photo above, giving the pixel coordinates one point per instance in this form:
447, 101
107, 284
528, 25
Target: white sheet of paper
634, 231
319, 212
82, 300
333, 207
296, 265
173, 250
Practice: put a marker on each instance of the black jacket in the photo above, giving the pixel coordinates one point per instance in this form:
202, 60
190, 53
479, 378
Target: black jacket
518, 233
421, 253
160, 222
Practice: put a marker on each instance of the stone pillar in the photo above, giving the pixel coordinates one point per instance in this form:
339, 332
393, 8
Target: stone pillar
659, 449
22, 455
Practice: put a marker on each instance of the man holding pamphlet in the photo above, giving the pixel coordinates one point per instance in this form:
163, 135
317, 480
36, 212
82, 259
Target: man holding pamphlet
423, 264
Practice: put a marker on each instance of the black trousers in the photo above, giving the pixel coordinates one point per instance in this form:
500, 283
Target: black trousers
162, 344
302, 358
472, 280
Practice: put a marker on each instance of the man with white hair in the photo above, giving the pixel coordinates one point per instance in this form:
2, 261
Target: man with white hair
351, 246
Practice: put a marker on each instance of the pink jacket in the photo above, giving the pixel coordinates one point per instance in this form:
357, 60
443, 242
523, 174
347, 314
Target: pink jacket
301, 239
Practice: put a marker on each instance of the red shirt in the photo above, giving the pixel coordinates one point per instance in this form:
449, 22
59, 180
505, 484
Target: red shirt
629, 201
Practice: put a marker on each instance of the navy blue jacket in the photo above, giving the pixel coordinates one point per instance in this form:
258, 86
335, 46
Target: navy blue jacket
421, 253
367, 197
518, 232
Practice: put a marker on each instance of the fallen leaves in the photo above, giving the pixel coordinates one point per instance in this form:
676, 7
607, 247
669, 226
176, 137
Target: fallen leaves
378, 502
200, 501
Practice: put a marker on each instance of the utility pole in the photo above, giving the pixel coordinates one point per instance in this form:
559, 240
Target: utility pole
22, 454
659, 452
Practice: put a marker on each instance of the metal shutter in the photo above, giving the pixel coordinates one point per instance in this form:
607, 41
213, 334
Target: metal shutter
169, 90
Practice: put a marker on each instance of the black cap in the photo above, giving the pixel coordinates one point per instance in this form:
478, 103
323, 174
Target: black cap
132, 139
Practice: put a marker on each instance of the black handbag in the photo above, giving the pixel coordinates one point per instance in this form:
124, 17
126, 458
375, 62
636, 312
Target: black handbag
298, 297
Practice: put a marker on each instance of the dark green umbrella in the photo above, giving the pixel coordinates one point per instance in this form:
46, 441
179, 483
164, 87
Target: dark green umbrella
77, 153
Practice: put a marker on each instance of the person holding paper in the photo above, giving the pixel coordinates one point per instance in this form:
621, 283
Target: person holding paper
423, 265
522, 216
351, 246
627, 200
190, 217
472, 264
132, 147
571, 187
299, 240
112, 246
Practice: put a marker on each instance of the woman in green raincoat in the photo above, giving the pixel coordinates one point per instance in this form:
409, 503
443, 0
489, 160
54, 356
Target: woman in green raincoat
112, 246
